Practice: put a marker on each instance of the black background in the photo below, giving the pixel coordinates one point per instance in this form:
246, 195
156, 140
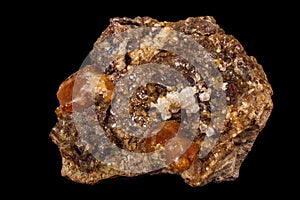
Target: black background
59, 37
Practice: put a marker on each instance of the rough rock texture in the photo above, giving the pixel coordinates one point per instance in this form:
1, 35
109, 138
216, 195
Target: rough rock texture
248, 106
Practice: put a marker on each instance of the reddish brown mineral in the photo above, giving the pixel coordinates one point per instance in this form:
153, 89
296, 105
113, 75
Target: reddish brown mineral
190, 138
166, 137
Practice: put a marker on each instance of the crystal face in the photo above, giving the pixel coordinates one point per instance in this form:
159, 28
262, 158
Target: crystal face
161, 97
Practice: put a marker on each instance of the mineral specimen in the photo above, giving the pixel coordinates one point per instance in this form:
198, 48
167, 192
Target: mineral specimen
161, 97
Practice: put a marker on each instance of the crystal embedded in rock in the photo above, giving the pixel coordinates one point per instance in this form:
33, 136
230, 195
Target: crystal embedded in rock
184, 133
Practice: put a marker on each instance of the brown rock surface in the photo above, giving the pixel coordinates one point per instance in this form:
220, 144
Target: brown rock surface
205, 157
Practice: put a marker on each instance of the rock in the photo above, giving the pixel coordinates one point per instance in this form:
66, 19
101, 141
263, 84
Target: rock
161, 97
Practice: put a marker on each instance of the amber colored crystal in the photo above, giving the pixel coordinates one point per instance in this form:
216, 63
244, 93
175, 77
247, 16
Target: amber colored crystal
168, 131
167, 137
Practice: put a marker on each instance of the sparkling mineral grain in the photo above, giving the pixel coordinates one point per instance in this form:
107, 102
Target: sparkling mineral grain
161, 97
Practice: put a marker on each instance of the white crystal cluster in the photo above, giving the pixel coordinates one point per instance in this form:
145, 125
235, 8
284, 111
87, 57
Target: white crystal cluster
174, 101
